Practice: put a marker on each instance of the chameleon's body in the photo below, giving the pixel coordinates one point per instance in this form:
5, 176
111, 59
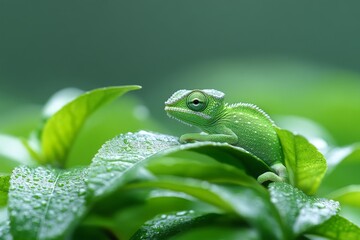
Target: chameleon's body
241, 124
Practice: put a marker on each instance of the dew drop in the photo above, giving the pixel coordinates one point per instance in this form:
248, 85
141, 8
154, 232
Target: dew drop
82, 191
182, 213
319, 205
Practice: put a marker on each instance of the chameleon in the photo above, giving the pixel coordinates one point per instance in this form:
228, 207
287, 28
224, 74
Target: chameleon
240, 124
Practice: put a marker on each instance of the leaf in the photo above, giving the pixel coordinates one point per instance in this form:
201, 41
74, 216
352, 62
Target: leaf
299, 211
199, 166
128, 114
219, 232
13, 153
45, 203
5, 231
344, 166
228, 154
349, 195
186, 225
4, 189
249, 204
339, 155
311, 130
59, 100
306, 166
349, 198
121, 154
168, 225
124, 212
61, 128
337, 227
140, 156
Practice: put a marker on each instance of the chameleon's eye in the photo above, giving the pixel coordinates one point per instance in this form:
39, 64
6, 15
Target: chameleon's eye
197, 101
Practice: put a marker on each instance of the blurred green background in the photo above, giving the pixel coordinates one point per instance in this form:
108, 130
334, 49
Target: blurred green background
290, 58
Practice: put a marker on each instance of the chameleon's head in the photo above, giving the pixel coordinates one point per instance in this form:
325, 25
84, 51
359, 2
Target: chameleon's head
195, 107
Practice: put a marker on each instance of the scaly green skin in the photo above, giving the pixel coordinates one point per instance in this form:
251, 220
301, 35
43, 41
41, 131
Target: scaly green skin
241, 124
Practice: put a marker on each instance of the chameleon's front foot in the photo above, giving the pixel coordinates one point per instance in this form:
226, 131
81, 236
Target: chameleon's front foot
187, 138
281, 175
269, 176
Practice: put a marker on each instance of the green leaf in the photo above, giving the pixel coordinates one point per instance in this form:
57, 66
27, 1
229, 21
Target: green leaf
167, 225
124, 212
195, 165
306, 166
344, 165
4, 189
45, 203
121, 116
186, 225
349, 198
200, 167
59, 100
61, 128
140, 156
315, 133
299, 211
91, 232
340, 155
121, 154
253, 206
349, 195
5, 231
337, 227
228, 154
218, 232
13, 153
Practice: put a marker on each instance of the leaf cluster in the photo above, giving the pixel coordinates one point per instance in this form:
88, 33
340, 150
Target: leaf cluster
146, 185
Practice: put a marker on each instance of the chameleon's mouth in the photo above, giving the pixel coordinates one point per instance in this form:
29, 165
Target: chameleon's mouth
172, 109
188, 111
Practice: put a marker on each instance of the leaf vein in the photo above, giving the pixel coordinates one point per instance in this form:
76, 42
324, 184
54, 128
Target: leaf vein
42, 220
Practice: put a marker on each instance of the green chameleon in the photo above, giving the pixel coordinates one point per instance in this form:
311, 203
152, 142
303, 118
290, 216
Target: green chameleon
240, 124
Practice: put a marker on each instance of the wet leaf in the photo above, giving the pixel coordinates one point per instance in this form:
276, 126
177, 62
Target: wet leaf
252, 206
121, 116
337, 227
5, 230
45, 203
121, 154
193, 225
62, 127
299, 211
168, 225
145, 156
4, 189
306, 166
195, 165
